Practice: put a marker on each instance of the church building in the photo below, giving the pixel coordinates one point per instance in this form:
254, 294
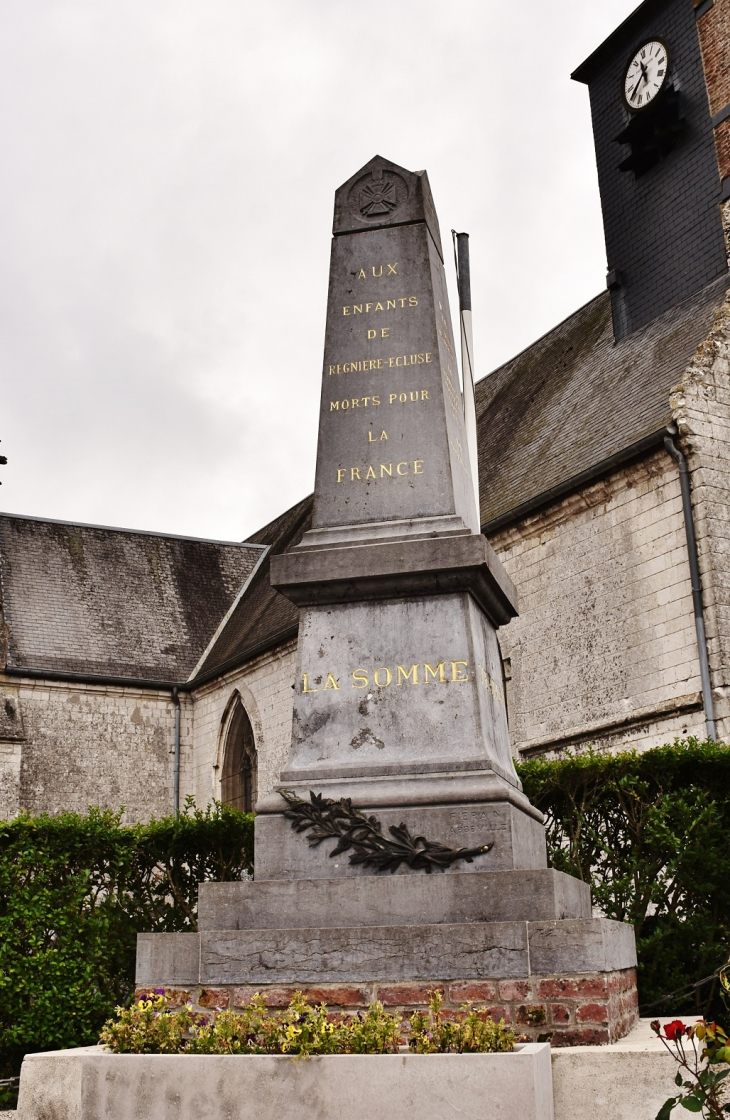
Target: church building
140, 668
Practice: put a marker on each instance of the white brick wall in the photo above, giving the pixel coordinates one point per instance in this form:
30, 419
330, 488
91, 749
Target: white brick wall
604, 649
89, 745
265, 687
701, 406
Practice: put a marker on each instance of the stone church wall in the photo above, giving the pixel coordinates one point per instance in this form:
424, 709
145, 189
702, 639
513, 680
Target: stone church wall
265, 686
85, 745
604, 650
702, 409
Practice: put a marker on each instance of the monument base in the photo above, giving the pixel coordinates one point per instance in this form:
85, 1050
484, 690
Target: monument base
521, 942
571, 1009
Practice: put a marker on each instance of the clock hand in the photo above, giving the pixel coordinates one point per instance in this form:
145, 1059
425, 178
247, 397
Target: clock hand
631, 95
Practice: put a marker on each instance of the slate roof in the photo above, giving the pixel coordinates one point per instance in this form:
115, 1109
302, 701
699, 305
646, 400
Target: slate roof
89, 600
575, 399
262, 617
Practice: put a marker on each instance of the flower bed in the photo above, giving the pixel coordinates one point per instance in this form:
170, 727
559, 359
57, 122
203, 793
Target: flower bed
151, 1027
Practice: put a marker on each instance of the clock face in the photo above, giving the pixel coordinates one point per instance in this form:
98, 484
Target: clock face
646, 74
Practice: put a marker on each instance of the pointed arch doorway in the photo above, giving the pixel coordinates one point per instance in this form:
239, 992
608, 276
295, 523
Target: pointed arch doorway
240, 763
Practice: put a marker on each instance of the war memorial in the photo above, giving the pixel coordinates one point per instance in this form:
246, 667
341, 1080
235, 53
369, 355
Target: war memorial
400, 762
398, 853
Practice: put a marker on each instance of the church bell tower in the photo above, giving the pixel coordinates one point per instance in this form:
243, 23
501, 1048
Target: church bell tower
660, 102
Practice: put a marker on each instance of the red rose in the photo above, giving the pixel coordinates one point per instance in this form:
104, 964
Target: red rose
675, 1030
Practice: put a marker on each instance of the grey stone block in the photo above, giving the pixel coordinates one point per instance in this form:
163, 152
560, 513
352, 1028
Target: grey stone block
390, 569
89, 1084
446, 951
168, 958
494, 896
308, 956
584, 945
519, 841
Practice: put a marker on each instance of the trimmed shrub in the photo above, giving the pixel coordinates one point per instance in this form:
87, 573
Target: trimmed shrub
74, 892
651, 834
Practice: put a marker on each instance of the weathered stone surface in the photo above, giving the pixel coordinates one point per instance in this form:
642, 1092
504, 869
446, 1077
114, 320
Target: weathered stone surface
393, 900
473, 950
168, 958
390, 569
389, 347
519, 840
89, 1084
585, 945
309, 956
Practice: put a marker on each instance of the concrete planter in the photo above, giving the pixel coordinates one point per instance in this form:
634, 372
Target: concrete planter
91, 1083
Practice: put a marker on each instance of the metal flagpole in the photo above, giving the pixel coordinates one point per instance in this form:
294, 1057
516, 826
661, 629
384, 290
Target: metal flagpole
463, 281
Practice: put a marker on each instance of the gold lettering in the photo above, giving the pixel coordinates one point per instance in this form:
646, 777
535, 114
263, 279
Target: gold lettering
361, 274
334, 406
305, 684
330, 683
355, 402
417, 464
376, 400
385, 332
393, 396
379, 307
438, 672
372, 334
345, 310
360, 679
414, 396
390, 305
403, 398
388, 676
424, 395
412, 301
406, 674
370, 473
455, 670
357, 309
355, 474
383, 435
402, 302
371, 438
378, 273
341, 472
386, 470
398, 468
345, 404
367, 308
391, 269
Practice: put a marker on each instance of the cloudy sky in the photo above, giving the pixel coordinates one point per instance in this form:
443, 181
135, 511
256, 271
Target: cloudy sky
165, 211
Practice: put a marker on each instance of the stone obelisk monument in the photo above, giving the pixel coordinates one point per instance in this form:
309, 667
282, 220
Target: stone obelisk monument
400, 759
399, 699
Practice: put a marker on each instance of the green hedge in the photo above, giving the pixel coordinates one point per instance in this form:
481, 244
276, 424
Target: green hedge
651, 833
74, 891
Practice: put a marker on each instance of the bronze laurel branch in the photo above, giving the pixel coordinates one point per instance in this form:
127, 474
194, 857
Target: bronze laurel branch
322, 818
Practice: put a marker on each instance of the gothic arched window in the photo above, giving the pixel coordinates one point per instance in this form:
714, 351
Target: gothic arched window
238, 784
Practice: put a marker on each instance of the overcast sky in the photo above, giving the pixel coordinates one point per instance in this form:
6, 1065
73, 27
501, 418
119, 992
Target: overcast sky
168, 170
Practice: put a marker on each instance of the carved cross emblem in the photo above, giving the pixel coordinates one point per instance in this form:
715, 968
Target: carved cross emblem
378, 197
